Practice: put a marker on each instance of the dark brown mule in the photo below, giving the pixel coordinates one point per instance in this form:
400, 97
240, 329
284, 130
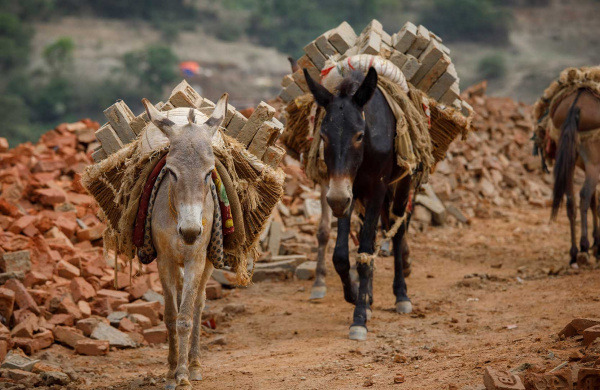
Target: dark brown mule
358, 133
576, 116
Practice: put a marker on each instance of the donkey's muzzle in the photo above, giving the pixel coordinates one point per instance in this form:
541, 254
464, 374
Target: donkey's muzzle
340, 207
189, 235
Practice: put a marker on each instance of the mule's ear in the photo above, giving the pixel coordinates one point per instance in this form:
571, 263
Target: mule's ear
322, 96
365, 92
218, 115
192, 116
163, 123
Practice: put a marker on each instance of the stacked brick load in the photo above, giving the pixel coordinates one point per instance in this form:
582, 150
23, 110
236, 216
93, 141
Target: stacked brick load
418, 52
258, 132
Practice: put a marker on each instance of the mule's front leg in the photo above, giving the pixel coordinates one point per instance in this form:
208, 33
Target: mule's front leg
401, 252
341, 258
184, 322
587, 191
170, 277
364, 266
319, 288
195, 373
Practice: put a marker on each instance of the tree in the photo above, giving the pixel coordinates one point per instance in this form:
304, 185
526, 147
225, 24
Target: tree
153, 68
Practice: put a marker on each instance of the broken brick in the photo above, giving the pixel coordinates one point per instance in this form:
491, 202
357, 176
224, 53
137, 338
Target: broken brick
81, 289
91, 347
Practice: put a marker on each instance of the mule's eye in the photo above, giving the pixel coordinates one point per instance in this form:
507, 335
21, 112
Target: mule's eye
173, 175
360, 137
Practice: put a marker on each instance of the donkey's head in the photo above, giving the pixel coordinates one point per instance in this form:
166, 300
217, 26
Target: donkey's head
343, 133
190, 163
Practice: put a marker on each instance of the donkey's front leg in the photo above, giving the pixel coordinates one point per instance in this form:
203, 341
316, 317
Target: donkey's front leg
319, 289
364, 265
401, 252
195, 373
341, 258
191, 282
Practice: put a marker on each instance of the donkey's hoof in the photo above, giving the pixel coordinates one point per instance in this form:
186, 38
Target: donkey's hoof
358, 333
403, 307
574, 266
369, 314
318, 292
195, 374
583, 259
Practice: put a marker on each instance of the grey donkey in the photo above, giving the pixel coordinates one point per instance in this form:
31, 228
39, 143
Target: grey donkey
182, 220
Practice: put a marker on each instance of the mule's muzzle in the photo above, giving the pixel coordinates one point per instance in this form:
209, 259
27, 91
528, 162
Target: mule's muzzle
189, 235
339, 196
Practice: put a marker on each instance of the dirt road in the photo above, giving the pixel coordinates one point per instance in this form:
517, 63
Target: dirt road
506, 316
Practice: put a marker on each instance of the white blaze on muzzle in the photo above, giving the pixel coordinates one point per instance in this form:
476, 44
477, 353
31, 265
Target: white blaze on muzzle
190, 219
339, 195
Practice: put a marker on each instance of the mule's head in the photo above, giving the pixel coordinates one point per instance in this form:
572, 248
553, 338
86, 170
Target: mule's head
343, 134
190, 163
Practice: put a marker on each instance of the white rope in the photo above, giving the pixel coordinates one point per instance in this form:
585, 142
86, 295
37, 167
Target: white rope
366, 258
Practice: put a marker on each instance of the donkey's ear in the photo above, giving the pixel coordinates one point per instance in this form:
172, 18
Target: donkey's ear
364, 93
218, 115
322, 96
163, 123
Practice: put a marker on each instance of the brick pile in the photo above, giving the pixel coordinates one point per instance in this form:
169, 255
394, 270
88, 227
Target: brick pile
495, 165
56, 285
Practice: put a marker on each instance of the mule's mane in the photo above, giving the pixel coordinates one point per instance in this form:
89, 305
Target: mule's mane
350, 83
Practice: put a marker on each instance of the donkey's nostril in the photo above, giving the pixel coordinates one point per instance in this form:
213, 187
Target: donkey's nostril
189, 235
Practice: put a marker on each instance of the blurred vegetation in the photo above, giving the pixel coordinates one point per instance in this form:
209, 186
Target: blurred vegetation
36, 98
468, 20
492, 67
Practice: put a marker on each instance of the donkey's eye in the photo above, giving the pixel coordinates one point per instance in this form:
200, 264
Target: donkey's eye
173, 175
360, 137
208, 177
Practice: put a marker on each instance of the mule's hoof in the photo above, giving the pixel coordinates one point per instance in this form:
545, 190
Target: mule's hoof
317, 293
574, 265
403, 307
171, 384
195, 374
358, 333
583, 259
369, 314
184, 384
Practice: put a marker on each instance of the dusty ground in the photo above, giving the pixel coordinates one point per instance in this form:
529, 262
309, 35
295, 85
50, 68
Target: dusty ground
458, 327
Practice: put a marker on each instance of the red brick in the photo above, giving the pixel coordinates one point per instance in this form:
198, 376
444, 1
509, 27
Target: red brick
214, 290
68, 336
25, 328
501, 380
101, 307
3, 145
30, 231
156, 335
87, 325
69, 307
66, 270
50, 196
81, 289
590, 334
92, 347
84, 308
7, 303
22, 297
49, 165
66, 225
142, 320
21, 223
139, 287
3, 349
113, 294
34, 278
40, 296
148, 309
45, 338
28, 345
8, 208
90, 234
62, 319
126, 325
